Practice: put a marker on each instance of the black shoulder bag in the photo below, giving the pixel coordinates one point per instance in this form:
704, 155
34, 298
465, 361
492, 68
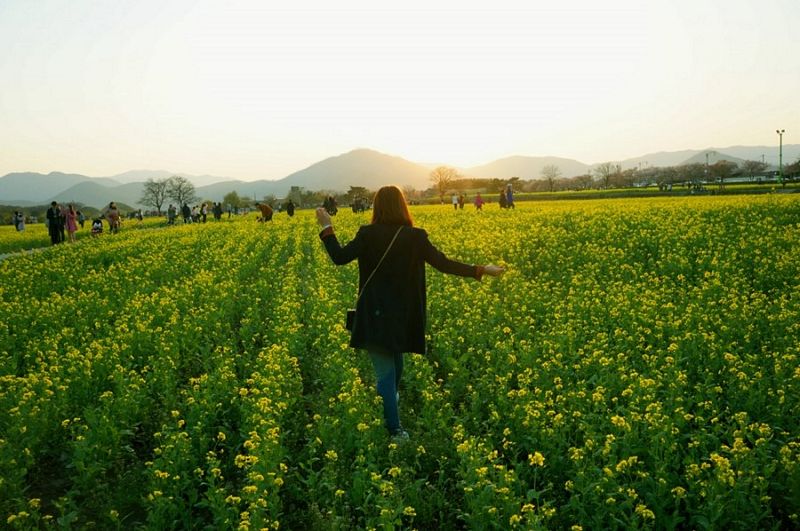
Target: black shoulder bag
351, 313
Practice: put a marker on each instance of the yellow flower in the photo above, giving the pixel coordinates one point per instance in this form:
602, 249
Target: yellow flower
536, 459
644, 512
618, 421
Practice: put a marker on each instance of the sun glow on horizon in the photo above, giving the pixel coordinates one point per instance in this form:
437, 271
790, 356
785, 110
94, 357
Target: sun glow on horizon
252, 91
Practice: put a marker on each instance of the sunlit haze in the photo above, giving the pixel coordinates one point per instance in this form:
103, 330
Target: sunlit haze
251, 90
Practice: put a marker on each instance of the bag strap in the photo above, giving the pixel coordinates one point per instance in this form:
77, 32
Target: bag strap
379, 264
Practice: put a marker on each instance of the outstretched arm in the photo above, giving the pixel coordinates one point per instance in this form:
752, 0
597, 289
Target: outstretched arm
340, 255
438, 260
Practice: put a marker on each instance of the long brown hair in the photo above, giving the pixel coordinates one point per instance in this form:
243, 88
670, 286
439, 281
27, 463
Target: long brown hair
389, 207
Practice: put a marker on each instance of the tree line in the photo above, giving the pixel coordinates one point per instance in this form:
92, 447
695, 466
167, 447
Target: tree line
607, 175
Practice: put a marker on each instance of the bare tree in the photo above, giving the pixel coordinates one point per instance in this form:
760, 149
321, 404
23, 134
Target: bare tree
793, 169
751, 167
154, 193
723, 169
582, 182
551, 173
411, 193
181, 190
604, 171
442, 178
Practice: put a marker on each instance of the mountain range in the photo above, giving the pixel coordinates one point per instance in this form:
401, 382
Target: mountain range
360, 167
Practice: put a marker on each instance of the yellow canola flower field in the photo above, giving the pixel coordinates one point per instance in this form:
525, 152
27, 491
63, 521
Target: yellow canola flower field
636, 367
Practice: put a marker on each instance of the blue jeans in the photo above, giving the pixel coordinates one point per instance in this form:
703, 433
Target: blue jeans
388, 370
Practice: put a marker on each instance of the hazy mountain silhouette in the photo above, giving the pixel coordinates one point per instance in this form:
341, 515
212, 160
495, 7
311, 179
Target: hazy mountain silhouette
714, 156
135, 176
96, 195
736, 154
360, 167
138, 176
526, 168
36, 187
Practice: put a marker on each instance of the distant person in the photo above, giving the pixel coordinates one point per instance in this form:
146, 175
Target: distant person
290, 208
390, 316
53, 218
330, 205
217, 211
97, 227
71, 219
19, 221
62, 222
114, 218
81, 218
139, 215
509, 196
454, 200
461, 201
502, 198
230, 210
204, 211
186, 212
266, 212
195, 214
478, 202
172, 213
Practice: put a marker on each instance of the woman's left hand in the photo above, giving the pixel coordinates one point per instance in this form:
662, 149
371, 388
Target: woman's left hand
323, 218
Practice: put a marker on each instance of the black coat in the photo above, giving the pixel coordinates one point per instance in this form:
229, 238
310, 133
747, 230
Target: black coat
391, 312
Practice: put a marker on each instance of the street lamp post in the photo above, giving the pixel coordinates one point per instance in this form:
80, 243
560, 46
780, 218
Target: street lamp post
780, 154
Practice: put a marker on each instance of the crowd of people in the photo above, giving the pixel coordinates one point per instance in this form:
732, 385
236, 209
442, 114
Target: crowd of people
195, 214
505, 196
63, 221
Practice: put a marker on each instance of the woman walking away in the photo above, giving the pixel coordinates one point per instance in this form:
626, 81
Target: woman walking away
390, 309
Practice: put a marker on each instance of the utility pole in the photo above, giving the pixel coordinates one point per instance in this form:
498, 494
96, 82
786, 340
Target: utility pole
780, 154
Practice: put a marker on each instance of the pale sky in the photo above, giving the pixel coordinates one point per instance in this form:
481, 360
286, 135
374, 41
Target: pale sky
258, 89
